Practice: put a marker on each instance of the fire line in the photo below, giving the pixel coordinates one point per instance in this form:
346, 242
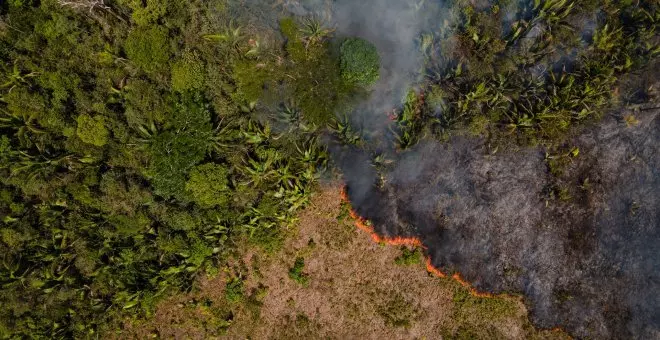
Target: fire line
364, 225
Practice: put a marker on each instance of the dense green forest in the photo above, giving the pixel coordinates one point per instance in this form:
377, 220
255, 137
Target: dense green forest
131, 159
142, 141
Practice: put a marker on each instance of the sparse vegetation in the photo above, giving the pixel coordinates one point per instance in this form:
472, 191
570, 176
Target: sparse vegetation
296, 272
409, 257
234, 290
484, 79
470, 314
396, 311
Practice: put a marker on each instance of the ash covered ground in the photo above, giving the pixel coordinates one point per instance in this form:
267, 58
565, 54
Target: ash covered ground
589, 264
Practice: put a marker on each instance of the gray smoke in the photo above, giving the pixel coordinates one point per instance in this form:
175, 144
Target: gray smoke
394, 27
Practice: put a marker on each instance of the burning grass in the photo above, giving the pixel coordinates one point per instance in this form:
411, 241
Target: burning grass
366, 226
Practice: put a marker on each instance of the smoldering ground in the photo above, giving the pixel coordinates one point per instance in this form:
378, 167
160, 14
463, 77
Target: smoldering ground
589, 265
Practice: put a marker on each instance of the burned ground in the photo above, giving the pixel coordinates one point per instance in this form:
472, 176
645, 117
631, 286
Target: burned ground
574, 232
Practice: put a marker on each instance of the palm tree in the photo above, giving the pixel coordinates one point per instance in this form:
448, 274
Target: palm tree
313, 32
16, 78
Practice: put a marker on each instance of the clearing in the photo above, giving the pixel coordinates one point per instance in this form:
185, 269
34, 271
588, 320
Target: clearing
345, 287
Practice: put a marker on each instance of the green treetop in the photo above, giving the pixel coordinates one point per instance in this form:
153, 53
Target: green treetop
188, 73
148, 48
92, 130
207, 185
360, 62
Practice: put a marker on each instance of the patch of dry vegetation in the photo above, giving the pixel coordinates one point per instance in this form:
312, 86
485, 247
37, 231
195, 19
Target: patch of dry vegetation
354, 289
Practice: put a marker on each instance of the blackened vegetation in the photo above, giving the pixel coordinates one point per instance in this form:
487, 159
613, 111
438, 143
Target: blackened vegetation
588, 264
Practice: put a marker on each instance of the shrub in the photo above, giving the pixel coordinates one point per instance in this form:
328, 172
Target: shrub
176, 151
172, 155
409, 257
234, 290
296, 272
397, 311
148, 48
207, 185
360, 62
147, 12
144, 103
188, 73
169, 13
92, 130
250, 80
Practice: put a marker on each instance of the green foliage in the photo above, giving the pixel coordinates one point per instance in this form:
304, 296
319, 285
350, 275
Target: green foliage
148, 48
167, 13
175, 151
208, 185
92, 130
313, 32
294, 46
144, 103
479, 41
234, 290
489, 86
360, 62
120, 185
409, 257
147, 12
172, 156
313, 76
92, 235
18, 3
188, 73
309, 76
121, 194
250, 80
397, 311
296, 272
411, 120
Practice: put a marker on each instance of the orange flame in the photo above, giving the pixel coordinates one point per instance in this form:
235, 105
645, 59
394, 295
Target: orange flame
364, 225
474, 292
433, 270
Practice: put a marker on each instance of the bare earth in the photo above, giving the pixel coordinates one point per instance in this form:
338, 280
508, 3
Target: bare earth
354, 290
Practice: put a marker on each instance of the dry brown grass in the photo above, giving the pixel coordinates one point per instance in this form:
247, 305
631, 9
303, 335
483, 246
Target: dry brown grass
355, 291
